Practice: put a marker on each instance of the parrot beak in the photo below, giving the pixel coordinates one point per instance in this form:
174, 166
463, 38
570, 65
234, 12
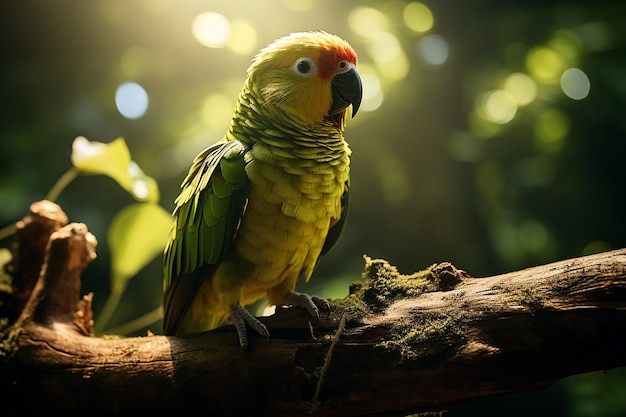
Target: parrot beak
347, 89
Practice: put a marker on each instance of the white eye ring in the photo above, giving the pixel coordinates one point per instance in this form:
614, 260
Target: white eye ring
344, 66
305, 67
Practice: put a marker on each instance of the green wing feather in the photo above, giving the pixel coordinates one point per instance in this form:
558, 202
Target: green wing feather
335, 230
207, 215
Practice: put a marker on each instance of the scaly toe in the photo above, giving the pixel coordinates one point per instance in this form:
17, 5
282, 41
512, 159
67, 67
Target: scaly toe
312, 304
240, 317
322, 304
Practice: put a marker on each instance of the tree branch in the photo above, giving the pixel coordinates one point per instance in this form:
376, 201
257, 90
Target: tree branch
410, 343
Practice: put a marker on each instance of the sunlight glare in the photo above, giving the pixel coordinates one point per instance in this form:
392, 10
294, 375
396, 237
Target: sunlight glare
211, 29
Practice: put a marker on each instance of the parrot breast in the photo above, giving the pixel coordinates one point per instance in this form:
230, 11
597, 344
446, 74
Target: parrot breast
291, 206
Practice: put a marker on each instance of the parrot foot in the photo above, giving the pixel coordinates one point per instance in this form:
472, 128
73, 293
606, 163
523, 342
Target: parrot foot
312, 304
240, 317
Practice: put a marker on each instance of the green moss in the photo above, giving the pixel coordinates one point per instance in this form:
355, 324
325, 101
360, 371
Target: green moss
9, 332
528, 297
428, 414
418, 336
9, 335
524, 296
6, 280
435, 336
352, 306
385, 284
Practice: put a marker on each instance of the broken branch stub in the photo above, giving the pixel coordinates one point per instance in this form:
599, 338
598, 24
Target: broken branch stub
70, 250
32, 234
49, 258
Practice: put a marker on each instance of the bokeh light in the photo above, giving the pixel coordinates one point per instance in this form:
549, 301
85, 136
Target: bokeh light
387, 53
533, 236
433, 49
372, 90
521, 87
595, 246
567, 44
551, 129
596, 36
211, 29
299, 5
575, 84
497, 106
217, 111
242, 38
418, 17
136, 62
131, 100
367, 21
545, 65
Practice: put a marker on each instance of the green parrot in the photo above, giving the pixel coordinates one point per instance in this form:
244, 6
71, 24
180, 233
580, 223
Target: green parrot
258, 208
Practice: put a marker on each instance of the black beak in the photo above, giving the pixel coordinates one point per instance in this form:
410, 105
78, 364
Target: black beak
347, 89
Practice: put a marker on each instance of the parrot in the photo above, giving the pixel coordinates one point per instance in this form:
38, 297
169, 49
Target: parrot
260, 206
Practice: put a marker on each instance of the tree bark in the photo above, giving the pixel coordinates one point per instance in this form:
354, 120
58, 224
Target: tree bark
398, 344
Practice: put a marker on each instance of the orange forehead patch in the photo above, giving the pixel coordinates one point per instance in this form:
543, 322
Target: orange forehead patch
330, 57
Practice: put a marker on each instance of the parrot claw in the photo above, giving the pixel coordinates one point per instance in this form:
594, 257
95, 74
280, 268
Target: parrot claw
312, 304
240, 317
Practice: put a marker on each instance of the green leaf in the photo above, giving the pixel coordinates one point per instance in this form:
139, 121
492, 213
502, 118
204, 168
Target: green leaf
113, 160
136, 235
141, 186
92, 157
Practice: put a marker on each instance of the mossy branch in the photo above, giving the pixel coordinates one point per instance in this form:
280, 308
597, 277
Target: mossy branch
410, 342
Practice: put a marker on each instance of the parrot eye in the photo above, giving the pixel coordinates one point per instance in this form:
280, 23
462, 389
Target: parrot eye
305, 66
343, 66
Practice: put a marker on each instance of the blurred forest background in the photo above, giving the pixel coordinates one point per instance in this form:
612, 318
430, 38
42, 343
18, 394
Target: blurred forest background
491, 134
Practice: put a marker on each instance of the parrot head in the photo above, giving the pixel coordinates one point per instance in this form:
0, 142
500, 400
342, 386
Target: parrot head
311, 76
